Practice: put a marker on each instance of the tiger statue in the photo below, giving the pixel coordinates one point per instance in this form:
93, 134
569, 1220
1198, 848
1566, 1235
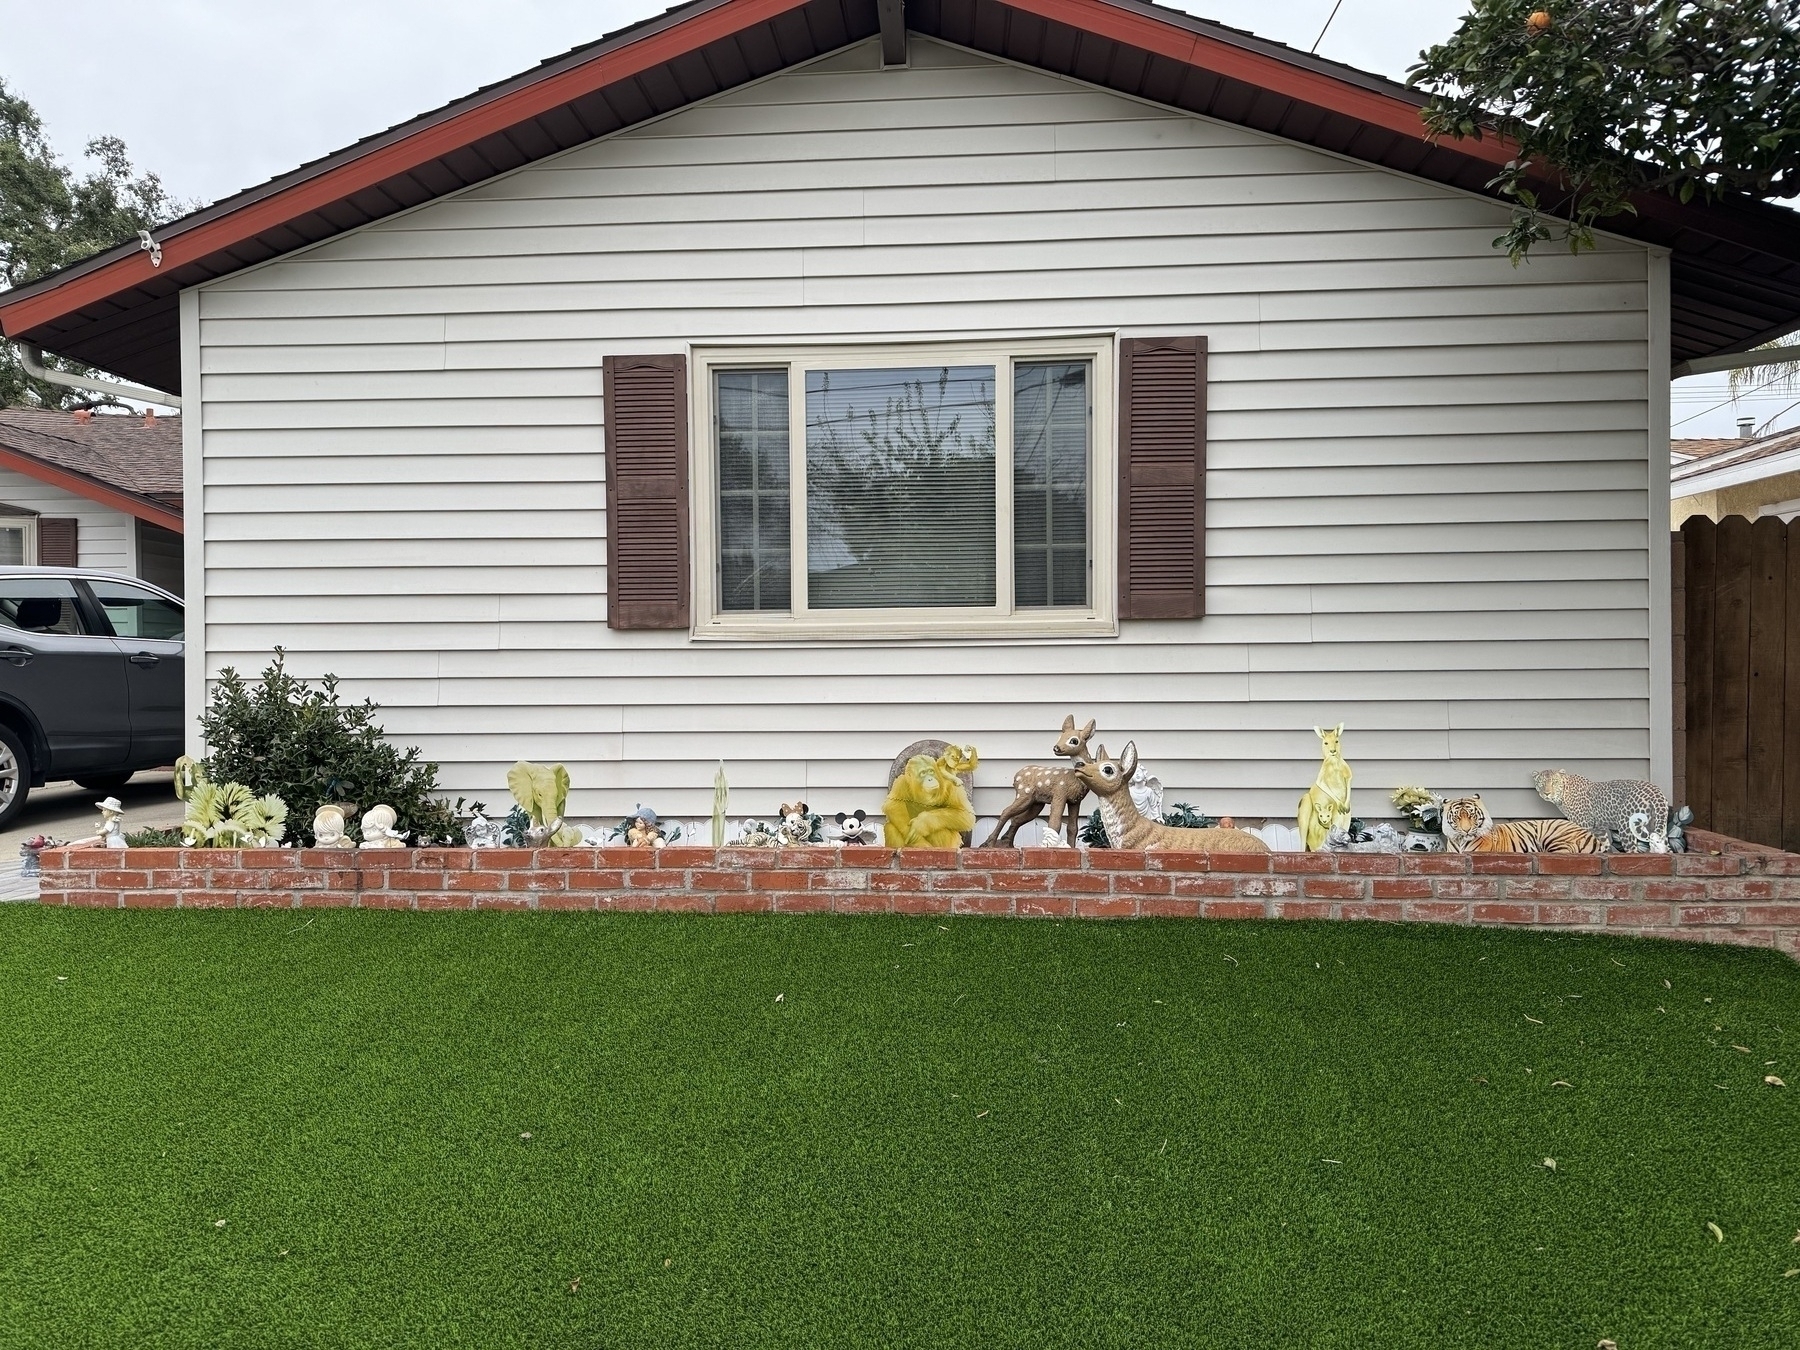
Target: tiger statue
1468, 828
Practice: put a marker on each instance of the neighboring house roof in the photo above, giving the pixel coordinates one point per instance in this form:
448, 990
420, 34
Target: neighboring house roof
1714, 464
1736, 264
127, 462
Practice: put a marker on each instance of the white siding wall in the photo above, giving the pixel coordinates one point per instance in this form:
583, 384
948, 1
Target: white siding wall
107, 538
1428, 511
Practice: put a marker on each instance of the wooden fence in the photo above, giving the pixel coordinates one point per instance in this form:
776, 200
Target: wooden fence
1737, 672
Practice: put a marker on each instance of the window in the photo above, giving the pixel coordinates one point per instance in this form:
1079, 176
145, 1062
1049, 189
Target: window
18, 541
34, 605
900, 492
137, 613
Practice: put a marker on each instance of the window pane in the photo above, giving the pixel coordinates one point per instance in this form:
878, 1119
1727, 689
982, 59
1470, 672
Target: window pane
12, 545
138, 613
754, 542
39, 606
900, 487
1050, 484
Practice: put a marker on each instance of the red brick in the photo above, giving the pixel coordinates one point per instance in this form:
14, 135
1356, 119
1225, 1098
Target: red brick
87, 899
863, 903
908, 903
677, 855
1500, 864
809, 856
742, 902
1303, 909
1334, 888
1437, 911
384, 900
1467, 888
1788, 940
1275, 887
1234, 909
1165, 860
1708, 865
150, 857
1106, 907
205, 879
926, 859
1207, 887
493, 859
1016, 882
215, 900
1735, 937
1599, 888
609, 855
642, 880
1369, 864
1640, 864
148, 899
474, 881
1434, 864
1566, 914
1505, 913
411, 881
1044, 907
1083, 883
582, 880
281, 900
626, 902
776, 881
957, 881
867, 855
425, 859
1638, 916
1166, 907
1741, 888
1708, 914
688, 902
536, 879
802, 902
1401, 888
566, 900
511, 900
1241, 862
1056, 859
1780, 865
981, 904
271, 857
1569, 865
1675, 890
1310, 863
974, 859
335, 899
1141, 883
1773, 916
443, 900
1388, 911
709, 881
896, 881
122, 881
1119, 860
1535, 888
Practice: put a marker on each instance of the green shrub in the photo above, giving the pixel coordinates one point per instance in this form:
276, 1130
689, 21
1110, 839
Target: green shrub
293, 738
154, 839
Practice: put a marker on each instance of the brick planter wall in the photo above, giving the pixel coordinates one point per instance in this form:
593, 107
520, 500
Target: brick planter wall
1751, 898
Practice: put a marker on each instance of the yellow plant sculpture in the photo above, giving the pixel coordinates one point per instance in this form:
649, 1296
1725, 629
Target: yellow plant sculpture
928, 806
1326, 805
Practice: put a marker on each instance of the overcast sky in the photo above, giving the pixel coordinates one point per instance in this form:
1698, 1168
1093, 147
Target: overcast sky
217, 95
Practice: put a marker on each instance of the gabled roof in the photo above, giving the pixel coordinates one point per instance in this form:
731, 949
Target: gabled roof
1725, 463
127, 462
1736, 264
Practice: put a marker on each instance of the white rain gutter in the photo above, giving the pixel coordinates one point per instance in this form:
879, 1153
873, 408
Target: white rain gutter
1737, 474
1707, 365
32, 357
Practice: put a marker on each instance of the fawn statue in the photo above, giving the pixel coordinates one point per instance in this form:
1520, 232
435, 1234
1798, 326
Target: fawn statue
1041, 785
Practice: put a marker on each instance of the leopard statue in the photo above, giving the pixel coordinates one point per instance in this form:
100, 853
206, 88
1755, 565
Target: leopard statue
1630, 813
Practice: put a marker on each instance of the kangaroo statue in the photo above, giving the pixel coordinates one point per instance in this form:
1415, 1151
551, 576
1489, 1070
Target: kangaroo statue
1126, 827
1040, 785
1326, 805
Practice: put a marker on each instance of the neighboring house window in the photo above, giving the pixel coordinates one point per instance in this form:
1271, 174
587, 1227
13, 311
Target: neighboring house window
891, 491
18, 541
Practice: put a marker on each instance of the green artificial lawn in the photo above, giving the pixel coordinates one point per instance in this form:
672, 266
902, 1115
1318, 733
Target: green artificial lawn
424, 1129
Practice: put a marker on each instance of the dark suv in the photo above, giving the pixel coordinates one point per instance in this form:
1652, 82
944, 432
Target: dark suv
92, 680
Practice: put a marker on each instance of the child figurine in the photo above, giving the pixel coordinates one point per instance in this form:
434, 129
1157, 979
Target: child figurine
112, 827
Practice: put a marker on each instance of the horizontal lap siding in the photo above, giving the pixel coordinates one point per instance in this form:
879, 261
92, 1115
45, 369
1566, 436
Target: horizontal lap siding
1427, 470
107, 538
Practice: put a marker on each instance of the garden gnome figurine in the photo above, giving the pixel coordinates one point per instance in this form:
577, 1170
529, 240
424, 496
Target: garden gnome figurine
328, 828
112, 830
378, 828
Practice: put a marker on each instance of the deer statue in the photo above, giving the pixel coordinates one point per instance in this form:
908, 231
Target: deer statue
1040, 785
1326, 805
1110, 781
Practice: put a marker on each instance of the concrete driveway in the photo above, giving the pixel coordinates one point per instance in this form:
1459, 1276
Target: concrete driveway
65, 811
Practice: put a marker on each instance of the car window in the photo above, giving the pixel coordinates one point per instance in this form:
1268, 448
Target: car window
138, 613
39, 605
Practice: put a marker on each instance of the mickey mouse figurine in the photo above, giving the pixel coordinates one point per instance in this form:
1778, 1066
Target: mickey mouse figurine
853, 827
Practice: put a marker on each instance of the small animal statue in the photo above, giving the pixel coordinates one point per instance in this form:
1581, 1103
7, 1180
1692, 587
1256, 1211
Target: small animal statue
328, 828
798, 824
928, 806
755, 834
1468, 828
1110, 781
378, 828
481, 832
1326, 805
853, 827
1606, 808
1038, 786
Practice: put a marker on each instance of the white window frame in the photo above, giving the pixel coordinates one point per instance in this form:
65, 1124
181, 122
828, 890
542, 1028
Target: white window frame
1099, 618
30, 526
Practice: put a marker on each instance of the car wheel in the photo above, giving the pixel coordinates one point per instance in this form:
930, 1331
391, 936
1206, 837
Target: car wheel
15, 774
104, 782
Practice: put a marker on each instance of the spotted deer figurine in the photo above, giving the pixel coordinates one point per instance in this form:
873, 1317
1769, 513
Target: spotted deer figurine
1041, 785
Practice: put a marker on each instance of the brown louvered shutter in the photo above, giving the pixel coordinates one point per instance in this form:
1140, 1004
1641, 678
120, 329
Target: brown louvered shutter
646, 492
59, 542
1162, 478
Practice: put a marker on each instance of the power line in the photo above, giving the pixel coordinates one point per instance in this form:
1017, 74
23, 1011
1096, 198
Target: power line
1316, 41
1773, 379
